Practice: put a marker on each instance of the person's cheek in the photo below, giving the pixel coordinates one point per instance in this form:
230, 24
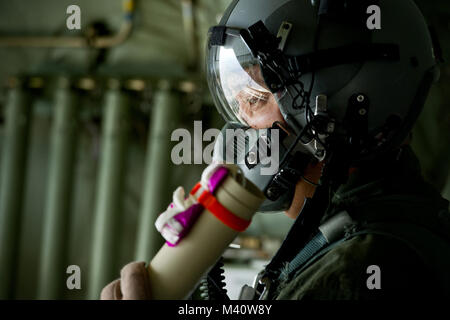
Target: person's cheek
275, 110
269, 114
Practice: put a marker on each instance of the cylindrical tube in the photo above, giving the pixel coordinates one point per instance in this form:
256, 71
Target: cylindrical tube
57, 207
109, 187
165, 109
11, 185
175, 271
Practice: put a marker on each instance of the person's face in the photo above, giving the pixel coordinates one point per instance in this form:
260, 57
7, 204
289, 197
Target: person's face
257, 105
259, 109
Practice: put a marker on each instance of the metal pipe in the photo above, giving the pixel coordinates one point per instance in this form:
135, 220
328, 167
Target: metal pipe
13, 166
157, 176
109, 189
188, 16
59, 188
76, 42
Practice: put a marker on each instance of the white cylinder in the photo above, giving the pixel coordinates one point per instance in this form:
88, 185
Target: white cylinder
175, 271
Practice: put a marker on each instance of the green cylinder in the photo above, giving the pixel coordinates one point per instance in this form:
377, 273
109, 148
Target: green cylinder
52, 271
158, 168
12, 174
109, 191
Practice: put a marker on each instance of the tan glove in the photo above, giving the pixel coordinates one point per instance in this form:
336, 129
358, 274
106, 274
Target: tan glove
134, 284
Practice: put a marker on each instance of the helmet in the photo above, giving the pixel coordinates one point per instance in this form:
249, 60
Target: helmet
339, 88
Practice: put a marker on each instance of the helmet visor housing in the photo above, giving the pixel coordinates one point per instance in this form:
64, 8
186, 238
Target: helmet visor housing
238, 87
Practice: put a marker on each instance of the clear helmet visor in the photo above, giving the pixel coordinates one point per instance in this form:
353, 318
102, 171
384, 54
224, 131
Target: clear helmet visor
238, 86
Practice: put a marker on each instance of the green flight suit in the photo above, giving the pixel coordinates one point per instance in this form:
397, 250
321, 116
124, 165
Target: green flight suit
342, 273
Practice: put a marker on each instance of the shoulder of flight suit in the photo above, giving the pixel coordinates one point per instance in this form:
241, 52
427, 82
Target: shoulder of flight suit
342, 273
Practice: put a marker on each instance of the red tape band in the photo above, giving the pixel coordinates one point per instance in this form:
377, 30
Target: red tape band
220, 212
196, 188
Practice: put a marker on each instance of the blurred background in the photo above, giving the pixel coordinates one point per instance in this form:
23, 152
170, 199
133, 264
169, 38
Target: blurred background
86, 118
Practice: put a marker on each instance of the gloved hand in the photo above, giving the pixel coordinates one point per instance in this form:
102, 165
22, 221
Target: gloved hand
134, 284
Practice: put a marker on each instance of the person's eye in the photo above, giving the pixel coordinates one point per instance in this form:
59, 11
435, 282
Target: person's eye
257, 94
252, 100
